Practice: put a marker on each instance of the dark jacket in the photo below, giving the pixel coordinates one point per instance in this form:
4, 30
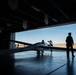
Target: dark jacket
69, 40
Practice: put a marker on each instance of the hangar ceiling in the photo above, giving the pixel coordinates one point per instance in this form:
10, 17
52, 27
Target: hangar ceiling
22, 15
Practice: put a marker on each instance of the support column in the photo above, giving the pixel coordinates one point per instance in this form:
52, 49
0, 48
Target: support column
6, 60
12, 44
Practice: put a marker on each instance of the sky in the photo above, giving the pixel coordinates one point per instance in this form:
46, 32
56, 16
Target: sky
57, 34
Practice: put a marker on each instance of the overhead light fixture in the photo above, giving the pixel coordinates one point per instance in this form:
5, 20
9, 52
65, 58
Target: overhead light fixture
54, 20
46, 18
24, 24
35, 8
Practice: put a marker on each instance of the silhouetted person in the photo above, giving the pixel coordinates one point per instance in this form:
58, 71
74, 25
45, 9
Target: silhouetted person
50, 44
38, 51
17, 45
42, 43
69, 44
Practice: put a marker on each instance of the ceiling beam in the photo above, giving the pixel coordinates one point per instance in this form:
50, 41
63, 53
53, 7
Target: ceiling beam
40, 10
59, 9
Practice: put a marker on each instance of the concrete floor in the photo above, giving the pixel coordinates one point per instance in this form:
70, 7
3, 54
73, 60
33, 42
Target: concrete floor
48, 64
56, 63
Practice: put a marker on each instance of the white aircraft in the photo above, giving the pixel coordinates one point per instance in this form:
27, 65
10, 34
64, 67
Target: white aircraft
40, 47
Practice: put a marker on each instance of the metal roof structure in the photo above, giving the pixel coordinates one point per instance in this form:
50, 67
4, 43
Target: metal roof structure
22, 15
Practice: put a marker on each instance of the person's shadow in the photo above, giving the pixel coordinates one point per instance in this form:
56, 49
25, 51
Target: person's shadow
70, 66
